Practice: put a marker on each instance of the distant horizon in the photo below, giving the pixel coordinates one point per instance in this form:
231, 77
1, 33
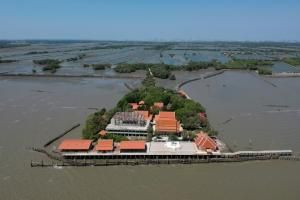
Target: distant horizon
162, 41
156, 21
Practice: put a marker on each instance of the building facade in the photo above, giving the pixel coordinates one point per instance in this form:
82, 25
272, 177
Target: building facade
134, 123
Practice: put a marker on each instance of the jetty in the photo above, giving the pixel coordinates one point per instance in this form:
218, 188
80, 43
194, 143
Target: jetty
179, 154
92, 159
61, 135
205, 76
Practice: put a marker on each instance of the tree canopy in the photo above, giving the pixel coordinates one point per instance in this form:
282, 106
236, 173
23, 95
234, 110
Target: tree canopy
186, 110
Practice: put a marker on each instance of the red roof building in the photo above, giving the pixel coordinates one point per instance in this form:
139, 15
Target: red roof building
166, 123
166, 115
75, 145
127, 146
167, 126
204, 142
105, 145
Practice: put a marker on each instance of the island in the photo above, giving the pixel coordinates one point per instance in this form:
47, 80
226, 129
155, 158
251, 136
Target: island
149, 125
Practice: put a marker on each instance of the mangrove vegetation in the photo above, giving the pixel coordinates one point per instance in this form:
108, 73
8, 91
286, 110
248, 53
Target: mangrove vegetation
293, 61
48, 64
164, 71
7, 61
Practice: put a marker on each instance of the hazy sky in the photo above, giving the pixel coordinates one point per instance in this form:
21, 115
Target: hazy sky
255, 20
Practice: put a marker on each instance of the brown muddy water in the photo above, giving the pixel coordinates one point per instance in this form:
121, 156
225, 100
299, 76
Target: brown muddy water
35, 110
252, 112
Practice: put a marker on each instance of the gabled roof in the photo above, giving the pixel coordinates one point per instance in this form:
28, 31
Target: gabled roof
166, 122
132, 145
75, 144
105, 145
167, 126
165, 114
203, 141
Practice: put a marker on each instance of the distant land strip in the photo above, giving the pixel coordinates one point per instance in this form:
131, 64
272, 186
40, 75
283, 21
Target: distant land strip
69, 76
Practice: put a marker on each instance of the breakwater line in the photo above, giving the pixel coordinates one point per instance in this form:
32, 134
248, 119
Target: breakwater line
178, 87
48, 154
214, 74
1, 73
68, 76
128, 87
284, 75
61, 135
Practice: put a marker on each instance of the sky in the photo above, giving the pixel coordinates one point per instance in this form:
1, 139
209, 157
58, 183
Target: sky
151, 20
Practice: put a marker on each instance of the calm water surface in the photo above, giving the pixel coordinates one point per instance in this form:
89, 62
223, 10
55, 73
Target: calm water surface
33, 111
252, 112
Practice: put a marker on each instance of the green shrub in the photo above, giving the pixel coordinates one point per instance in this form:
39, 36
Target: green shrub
172, 77
264, 71
101, 66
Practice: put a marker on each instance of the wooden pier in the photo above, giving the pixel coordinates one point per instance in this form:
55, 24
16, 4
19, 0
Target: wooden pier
143, 159
134, 162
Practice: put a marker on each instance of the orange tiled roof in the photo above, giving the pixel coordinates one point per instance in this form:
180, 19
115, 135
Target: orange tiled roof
104, 145
75, 144
166, 122
102, 133
165, 114
132, 145
203, 141
167, 125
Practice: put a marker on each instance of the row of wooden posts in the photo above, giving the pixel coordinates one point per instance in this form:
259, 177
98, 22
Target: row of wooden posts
109, 162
